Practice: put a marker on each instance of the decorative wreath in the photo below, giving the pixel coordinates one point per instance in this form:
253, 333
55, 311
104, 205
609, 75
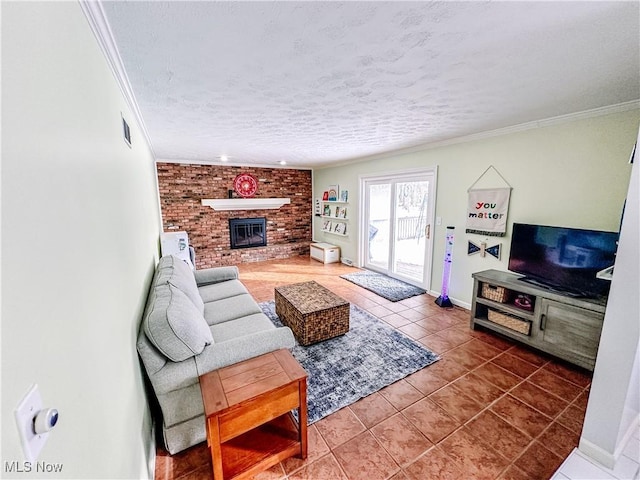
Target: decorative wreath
245, 185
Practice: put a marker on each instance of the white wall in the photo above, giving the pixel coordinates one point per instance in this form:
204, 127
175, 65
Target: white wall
79, 243
569, 174
614, 403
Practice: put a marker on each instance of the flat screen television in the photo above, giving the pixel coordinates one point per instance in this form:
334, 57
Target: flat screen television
563, 259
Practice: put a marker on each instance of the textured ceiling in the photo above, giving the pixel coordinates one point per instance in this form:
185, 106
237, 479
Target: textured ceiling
319, 82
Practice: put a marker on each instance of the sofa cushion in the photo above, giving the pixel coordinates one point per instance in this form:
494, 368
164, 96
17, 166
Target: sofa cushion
241, 327
215, 275
176, 272
218, 291
175, 326
230, 308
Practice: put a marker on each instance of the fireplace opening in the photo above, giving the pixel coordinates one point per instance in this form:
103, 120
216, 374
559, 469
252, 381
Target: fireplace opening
248, 232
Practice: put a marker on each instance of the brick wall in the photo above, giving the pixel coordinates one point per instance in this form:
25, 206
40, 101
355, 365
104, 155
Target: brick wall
183, 186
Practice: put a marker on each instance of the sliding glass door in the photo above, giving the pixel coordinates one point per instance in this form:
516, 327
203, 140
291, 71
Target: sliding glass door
398, 212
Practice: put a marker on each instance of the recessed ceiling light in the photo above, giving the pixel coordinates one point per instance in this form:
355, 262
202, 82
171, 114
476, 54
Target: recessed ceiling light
224, 158
282, 162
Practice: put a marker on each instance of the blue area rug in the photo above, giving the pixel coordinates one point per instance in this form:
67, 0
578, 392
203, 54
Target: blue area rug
347, 368
387, 287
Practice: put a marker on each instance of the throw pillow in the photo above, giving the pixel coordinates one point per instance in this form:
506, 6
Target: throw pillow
175, 326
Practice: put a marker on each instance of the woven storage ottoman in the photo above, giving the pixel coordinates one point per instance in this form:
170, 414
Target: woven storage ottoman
312, 312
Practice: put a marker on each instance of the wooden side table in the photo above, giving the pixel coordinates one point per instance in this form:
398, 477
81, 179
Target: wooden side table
248, 408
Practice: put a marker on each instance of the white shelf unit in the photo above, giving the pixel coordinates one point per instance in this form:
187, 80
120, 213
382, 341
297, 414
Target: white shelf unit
336, 233
334, 219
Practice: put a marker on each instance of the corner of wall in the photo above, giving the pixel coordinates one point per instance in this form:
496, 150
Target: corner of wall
149, 469
594, 452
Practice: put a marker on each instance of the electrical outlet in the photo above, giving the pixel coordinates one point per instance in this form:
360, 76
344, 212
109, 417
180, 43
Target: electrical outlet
25, 413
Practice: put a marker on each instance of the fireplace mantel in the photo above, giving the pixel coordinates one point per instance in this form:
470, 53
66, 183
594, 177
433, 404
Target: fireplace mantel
245, 203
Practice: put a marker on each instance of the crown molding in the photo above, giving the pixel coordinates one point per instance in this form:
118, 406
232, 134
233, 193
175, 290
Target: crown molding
99, 24
218, 163
547, 122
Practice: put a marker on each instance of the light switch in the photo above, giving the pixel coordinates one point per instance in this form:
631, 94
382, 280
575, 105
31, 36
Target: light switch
25, 414
438, 220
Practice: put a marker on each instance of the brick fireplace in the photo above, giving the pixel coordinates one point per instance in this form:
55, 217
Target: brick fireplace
182, 188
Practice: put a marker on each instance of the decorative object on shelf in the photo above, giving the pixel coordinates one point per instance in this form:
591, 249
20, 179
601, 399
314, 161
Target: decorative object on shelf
488, 208
333, 193
443, 300
341, 212
326, 226
341, 228
494, 250
327, 210
524, 302
344, 196
325, 196
245, 185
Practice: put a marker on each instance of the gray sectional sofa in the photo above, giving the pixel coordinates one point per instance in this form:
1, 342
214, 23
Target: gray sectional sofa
195, 322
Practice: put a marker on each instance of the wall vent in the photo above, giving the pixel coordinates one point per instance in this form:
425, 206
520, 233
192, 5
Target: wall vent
126, 131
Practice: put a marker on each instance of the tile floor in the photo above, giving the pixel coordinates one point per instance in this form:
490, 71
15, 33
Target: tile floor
489, 409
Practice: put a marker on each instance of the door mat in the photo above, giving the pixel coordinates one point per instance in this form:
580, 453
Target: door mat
387, 287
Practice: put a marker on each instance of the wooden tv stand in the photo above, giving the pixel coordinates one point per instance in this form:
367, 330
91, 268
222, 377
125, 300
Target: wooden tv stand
563, 326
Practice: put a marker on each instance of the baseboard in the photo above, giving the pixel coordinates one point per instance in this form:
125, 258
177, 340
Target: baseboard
603, 457
456, 302
633, 427
597, 454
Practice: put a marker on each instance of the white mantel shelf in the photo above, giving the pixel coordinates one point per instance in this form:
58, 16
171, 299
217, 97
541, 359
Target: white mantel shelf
245, 203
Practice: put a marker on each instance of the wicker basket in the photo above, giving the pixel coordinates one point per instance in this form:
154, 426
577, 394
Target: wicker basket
497, 294
509, 321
